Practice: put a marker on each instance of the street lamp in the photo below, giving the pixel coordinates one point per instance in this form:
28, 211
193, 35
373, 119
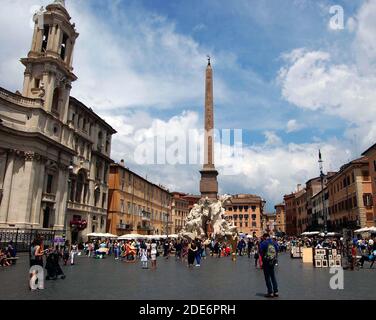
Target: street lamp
322, 193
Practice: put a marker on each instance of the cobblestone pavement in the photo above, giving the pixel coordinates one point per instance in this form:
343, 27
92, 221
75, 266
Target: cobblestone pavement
215, 279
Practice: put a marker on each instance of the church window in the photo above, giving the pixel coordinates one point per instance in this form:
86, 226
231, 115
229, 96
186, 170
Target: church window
63, 47
55, 100
46, 32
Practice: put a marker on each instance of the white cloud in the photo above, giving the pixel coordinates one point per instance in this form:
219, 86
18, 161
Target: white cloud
270, 169
293, 125
272, 138
129, 59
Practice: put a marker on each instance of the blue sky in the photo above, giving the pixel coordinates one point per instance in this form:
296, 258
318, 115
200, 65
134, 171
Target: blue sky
281, 74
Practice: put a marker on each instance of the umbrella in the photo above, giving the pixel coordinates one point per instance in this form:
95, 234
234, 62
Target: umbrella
94, 234
109, 235
362, 230
130, 236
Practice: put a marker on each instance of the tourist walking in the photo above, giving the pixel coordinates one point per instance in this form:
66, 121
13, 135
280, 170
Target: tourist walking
52, 265
256, 256
144, 255
166, 249
73, 252
66, 252
269, 251
249, 248
192, 249
153, 254
38, 252
198, 252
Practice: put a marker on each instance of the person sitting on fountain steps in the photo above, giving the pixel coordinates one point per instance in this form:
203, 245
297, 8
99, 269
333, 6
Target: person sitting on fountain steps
269, 251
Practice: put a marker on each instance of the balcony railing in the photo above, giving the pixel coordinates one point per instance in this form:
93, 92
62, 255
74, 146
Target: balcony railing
123, 226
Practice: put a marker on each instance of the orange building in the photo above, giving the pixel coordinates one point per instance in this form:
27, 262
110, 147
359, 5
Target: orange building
245, 211
301, 211
280, 217
290, 210
370, 153
137, 205
179, 210
350, 196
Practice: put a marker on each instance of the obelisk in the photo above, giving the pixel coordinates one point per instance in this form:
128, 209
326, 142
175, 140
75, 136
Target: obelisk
208, 182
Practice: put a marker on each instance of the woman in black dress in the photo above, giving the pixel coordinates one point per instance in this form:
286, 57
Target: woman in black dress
192, 249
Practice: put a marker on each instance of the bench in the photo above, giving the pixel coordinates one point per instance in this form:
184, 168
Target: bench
12, 259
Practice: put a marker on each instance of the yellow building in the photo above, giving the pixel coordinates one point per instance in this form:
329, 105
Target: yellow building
350, 196
280, 217
245, 211
137, 205
370, 153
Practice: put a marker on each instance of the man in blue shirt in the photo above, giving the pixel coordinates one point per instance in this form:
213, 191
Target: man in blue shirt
269, 251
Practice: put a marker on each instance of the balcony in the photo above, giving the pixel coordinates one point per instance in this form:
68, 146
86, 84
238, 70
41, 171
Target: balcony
123, 226
146, 216
145, 228
86, 208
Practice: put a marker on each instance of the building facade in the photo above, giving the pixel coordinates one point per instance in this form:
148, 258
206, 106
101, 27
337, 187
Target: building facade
179, 211
350, 196
137, 205
320, 204
54, 151
301, 211
291, 218
245, 211
370, 153
280, 218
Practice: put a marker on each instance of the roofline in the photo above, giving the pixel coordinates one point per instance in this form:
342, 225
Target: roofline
136, 174
89, 110
369, 149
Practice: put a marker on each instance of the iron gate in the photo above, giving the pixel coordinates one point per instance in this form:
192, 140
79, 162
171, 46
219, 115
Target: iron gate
22, 238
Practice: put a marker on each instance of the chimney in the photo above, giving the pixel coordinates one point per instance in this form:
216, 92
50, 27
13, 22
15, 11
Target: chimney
122, 162
298, 187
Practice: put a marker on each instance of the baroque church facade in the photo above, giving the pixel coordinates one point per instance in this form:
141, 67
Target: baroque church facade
54, 150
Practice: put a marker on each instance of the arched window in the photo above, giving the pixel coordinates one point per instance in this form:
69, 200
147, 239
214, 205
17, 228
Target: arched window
55, 100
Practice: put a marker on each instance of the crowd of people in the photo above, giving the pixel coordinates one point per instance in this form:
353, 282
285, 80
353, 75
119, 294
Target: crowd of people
8, 255
264, 251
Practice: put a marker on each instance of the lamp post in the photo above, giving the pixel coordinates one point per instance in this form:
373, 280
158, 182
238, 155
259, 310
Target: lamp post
322, 194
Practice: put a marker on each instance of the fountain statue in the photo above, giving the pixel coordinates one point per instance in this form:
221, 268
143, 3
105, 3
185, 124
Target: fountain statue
210, 214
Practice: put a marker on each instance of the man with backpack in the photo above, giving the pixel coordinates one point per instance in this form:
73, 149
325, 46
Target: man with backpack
269, 252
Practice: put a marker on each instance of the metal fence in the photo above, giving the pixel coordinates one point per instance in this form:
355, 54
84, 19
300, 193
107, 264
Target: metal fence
22, 238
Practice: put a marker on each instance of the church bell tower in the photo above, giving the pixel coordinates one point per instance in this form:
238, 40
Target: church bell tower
49, 72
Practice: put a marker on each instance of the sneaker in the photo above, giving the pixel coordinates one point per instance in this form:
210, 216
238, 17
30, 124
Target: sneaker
197, 265
269, 295
276, 294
